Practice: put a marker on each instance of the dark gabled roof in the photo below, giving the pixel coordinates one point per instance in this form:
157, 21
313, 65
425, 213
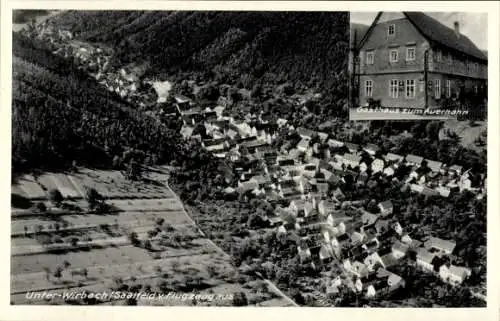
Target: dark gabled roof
438, 33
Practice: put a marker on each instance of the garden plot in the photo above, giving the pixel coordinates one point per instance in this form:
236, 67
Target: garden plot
60, 182
30, 187
136, 205
80, 259
112, 184
16, 189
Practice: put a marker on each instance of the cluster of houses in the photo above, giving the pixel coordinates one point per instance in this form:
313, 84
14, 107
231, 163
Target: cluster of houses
366, 244
96, 60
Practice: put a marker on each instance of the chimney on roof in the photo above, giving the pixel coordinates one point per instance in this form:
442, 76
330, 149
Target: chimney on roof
456, 27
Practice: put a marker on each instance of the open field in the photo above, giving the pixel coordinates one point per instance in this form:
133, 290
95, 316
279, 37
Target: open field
177, 256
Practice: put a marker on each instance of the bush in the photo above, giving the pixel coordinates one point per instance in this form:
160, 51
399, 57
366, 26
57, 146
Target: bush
56, 196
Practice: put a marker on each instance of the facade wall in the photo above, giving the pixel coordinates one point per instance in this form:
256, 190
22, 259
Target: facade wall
405, 36
381, 90
446, 61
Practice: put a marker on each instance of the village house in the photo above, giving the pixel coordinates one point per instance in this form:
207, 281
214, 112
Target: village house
389, 171
413, 160
326, 207
373, 261
301, 207
371, 149
409, 59
396, 226
304, 253
368, 218
386, 208
305, 133
356, 268
444, 191
399, 249
455, 170
453, 274
382, 226
377, 165
350, 160
434, 166
425, 259
435, 244
393, 158
333, 143
353, 148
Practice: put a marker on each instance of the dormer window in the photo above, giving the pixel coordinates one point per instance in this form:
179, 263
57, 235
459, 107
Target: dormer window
391, 31
370, 57
410, 53
393, 55
438, 56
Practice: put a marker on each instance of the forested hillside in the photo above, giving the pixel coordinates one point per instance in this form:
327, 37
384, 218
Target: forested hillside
60, 115
302, 48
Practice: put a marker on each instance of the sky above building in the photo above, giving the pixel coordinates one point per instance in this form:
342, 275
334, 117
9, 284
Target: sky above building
472, 24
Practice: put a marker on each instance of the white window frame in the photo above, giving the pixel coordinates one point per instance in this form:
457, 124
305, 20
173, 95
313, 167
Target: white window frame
410, 83
394, 88
370, 54
439, 55
369, 84
389, 34
408, 50
390, 55
448, 88
437, 88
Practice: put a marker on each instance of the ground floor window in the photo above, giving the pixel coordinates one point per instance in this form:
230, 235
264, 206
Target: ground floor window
448, 88
410, 88
368, 88
437, 88
393, 88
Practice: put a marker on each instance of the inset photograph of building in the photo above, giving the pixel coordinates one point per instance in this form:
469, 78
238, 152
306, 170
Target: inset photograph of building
414, 64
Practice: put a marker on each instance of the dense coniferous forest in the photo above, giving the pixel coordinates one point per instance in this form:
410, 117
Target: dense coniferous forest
301, 48
60, 115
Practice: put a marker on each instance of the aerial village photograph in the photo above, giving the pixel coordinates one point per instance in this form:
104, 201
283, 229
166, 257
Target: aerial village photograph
208, 158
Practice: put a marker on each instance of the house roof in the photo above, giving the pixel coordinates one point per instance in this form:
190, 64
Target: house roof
352, 146
434, 165
459, 271
400, 246
389, 260
371, 147
443, 191
437, 33
304, 132
386, 205
368, 218
457, 168
247, 186
382, 224
393, 157
333, 142
304, 143
352, 158
414, 159
440, 244
424, 255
